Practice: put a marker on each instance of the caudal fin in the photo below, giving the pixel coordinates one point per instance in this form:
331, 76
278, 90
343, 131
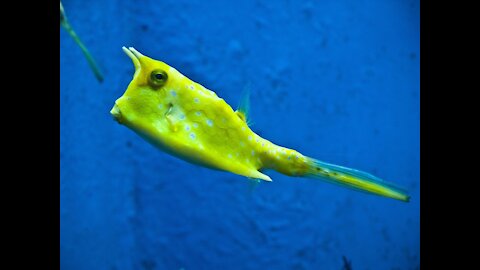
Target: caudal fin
354, 179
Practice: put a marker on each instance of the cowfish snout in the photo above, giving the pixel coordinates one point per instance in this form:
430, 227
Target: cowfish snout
136, 57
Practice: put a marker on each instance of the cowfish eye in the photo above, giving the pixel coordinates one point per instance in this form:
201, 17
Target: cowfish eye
158, 78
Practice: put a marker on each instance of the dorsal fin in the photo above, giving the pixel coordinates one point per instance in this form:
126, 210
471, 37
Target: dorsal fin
244, 106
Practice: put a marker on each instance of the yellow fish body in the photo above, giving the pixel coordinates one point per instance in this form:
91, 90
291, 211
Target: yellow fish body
186, 120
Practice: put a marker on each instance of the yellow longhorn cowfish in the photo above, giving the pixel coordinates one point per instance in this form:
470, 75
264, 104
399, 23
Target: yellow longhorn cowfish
187, 120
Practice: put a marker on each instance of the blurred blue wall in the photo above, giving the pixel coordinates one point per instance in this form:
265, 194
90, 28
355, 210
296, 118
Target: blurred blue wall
335, 80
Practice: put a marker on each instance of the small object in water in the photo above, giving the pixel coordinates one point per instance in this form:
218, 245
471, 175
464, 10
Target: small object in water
66, 25
347, 265
184, 119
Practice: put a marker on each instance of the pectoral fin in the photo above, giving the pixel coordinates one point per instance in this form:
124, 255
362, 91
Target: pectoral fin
171, 119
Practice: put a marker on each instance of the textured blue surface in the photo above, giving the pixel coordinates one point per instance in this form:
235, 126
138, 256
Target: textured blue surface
335, 80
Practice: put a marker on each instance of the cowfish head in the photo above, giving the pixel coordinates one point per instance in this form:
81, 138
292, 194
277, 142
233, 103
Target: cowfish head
144, 102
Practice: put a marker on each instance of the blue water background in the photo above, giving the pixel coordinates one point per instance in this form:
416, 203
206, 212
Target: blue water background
335, 80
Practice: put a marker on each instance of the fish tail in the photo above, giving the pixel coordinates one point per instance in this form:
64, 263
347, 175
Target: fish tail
292, 163
353, 179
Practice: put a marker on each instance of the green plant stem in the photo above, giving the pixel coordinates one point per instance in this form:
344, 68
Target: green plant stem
66, 25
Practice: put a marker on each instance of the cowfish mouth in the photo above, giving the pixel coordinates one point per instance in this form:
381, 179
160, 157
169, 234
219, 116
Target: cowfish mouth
116, 113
